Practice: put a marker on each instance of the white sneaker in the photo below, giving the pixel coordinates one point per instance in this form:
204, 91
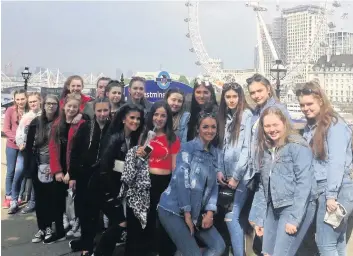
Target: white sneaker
38, 237
105, 221
74, 228
48, 233
77, 233
66, 221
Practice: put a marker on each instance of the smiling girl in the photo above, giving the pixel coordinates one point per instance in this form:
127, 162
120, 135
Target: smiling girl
176, 99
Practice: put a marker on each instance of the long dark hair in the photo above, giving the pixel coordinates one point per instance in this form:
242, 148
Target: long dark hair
117, 125
208, 113
195, 108
67, 83
41, 133
111, 85
168, 128
62, 119
234, 127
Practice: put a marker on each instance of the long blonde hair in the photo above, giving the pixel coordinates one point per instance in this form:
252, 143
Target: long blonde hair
326, 116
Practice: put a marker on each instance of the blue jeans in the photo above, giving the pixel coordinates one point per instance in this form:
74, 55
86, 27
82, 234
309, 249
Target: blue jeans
17, 178
332, 242
232, 220
276, 242
11, 156
179, 232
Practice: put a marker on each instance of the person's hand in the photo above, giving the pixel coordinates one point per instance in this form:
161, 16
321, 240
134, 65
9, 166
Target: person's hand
259, 231
66, 178
59, 177
77, 118
140, 152
233, 183
221, 179
207, 220
21, 147
331, 205
72, 184
291, 229
188, 221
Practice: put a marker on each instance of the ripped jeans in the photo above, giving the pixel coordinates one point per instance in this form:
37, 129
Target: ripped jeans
236, 232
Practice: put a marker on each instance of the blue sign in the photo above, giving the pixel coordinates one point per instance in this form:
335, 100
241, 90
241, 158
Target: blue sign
163, 80
153, 92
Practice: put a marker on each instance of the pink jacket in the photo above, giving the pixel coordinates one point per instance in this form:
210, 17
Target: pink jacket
11, 122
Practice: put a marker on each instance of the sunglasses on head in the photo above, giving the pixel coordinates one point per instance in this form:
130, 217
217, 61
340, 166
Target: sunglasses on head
305, 91
207, 114
231, 86
203, 82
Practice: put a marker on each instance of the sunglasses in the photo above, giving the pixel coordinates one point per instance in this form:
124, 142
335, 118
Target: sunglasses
207, 114
305, 92
233, 86
201, 82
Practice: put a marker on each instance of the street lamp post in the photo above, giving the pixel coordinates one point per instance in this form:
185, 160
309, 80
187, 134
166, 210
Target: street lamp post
26, 76
278, 72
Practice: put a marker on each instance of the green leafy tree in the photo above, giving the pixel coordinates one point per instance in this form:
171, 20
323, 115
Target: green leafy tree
183, 79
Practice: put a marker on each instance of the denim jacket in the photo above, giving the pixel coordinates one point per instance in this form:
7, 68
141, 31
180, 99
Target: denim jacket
292, 181
233, 158
338, 164
193, 187
182, 130
271, 102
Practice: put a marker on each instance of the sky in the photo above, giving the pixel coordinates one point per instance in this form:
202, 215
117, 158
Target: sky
84, 37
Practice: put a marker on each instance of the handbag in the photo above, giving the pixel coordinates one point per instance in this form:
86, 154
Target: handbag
44, 174
226, 198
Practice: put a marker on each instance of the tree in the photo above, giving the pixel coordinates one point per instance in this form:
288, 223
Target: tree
183, 79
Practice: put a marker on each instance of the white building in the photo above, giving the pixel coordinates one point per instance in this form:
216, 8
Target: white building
306, 28
239, 75
335, 75
340, 42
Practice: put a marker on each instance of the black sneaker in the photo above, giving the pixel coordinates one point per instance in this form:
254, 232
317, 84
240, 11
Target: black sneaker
76, 245
54, 238
122, 238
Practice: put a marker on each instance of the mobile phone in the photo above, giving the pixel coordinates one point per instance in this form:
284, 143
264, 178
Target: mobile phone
148, 149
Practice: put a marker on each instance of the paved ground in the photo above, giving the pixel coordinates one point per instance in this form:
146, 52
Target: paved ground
18, 230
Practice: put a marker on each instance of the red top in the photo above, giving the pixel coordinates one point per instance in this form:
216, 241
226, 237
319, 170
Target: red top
84, 100
54, 148
161, 155
11, 121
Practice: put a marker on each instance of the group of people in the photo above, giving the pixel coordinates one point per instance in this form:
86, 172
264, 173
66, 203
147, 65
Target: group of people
169, 178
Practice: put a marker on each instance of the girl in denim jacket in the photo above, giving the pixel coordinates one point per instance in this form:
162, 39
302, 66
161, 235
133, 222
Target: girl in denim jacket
235, 134
284, 204
187, 206
331, 142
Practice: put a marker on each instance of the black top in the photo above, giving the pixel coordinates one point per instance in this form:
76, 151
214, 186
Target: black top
64, 135
86, 148
34, 153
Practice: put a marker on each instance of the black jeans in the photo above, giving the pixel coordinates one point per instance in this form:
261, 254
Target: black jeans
95, 193
59, 205
44, 193
153, 238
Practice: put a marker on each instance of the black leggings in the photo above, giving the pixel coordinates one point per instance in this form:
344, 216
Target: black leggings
44, 193
94, 194
59, 206
142, 242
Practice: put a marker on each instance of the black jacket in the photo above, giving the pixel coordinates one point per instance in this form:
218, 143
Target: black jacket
86, 148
